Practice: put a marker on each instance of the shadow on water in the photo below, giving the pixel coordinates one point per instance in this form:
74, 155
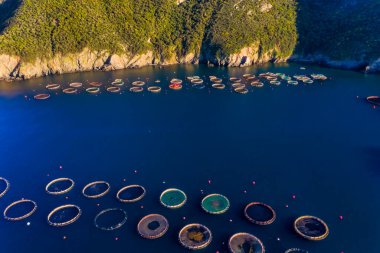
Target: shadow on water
7, 10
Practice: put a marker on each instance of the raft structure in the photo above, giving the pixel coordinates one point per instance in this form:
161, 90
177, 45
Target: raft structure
41, 96
296, 250
215, 204
93, 90
132, 193
374, 100
62, 209
92, 186
259, 213
96, 84
136, 89
6, 188
173, 198
195, 236
153, 226
19, 202
138, 83
218, 86
70, 90
111, 212
311, 228
53, 86
154, 89
244, 242
75, 85
113, 89
53, 189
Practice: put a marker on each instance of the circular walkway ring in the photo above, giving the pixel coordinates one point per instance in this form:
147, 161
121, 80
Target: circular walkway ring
116, 226
138, 83
62, 224
257, 84
218, 86
23, 216
97, 195
42, 96
238, 85
70, 90
304, 219
197, 81
175, 80
216, 80
58, 180
53, 86
7, 186
221, 199
235, 80
93, 90
191, 244
259, 222
154, 89
113, 89
75, 85
177, 205
148, 233
96, 84
241, 90
136, 89
238, 239
175, 86
131, 200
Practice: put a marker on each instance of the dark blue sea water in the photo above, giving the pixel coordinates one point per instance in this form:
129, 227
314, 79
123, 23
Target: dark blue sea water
319, 142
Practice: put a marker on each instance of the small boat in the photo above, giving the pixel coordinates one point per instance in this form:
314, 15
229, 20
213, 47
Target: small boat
374, 100
42, 96
53, 86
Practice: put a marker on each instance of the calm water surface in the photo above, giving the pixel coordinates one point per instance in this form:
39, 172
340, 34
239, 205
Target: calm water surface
319, 142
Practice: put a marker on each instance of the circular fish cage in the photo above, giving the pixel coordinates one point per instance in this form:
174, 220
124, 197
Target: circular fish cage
60, 186
118, 82
235, 80
246, 76
197, 81
110, 219
216, 80
131, 193
218, 86
311, 228
296, 250
175, 80
42, 96
175, 86
96, 84
113, 89
257, 84
238, 85
75, 85
244, 242
56, 217
215, 204
153, 226
16, 205
138, 83
136, 89
70, 90
241, 90
53, 86
271, 78
251, 78
319, 77
173, 198
195, 236
5, 185
96, 189
93, 90
277, 83
260, 213
154, 89
293, 82
374, 100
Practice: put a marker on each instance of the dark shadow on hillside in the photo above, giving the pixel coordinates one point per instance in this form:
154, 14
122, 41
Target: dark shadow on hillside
7, 10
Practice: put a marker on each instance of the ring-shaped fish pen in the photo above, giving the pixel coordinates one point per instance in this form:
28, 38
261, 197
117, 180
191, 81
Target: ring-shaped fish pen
195, 236
308, 81
94, 186
216, 80
70, 90
374, 100
136, 89
53, 86
54, 184
75, 85
132, 193
218, 86
215, 204
6, 186
235, 80
154, 89
196, 81
153, 226
277, 83
93, 90
296, 250
257, 84
246, 76
175, 80
293, 82
116, 223
23, 216
138, 83
61, 210
244, 242
175, 86
238, 85
42, 96
113, 89
241, 90
173, 198
311, 228
260, 213
96, 84
118, 82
